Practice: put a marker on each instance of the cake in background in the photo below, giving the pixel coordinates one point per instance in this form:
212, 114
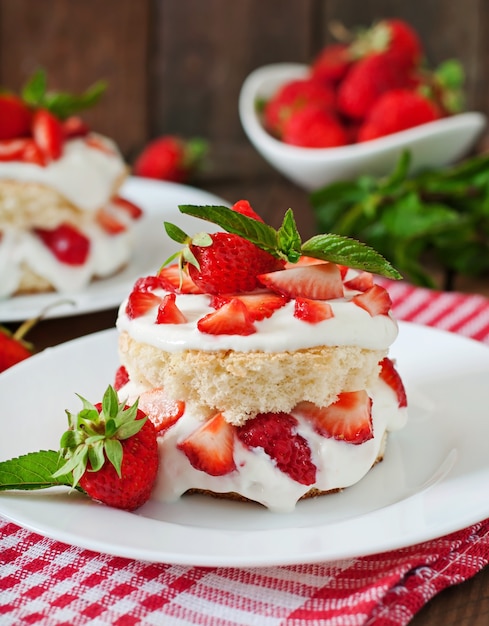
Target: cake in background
62, 220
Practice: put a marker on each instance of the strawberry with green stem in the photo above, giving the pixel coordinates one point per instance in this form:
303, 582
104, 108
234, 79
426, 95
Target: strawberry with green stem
109, 452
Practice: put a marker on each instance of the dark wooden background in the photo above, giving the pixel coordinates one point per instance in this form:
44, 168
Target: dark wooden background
176, 66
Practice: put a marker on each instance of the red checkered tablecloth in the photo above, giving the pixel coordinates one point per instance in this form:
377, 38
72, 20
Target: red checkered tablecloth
52, 584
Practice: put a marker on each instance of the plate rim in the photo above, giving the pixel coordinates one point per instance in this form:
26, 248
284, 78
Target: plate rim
386, 515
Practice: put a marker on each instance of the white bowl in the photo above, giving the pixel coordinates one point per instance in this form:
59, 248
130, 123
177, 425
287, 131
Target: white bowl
434, 144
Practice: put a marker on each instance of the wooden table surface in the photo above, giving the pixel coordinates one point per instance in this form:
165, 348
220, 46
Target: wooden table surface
466, 604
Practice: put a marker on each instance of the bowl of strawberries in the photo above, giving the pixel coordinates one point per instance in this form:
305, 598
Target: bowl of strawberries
356, 107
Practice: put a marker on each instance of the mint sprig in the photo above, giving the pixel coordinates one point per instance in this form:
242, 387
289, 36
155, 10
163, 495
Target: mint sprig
33, 471
35, 93
286, 243
432, 224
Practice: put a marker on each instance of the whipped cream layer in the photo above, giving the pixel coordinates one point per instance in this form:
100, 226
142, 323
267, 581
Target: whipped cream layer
86, 175
23, 249
339, 464
350, 326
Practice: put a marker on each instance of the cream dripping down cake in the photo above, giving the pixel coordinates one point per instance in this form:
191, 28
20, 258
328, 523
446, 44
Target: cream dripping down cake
262, 361
62, 220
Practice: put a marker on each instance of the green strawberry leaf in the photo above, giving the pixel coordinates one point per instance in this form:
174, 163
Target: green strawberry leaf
34, 471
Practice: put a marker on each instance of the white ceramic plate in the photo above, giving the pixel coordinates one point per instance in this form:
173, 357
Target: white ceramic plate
432, 481
431, 145
159, 201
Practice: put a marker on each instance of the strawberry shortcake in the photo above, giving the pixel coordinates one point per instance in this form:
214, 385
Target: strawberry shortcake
262, 361
62, 220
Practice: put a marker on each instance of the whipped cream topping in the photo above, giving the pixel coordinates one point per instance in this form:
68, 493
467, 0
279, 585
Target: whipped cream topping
85, 175
19, 248
350, 326
256, 477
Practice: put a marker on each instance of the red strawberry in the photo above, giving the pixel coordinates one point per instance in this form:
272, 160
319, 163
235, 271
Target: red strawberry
396, 38
149, 283
390, 375
127, 207
232, 318
161, 410
121, 378
348, 419
210, 448
141, 301
74, 126
276, 434
116, 465
312, 311
260, 305
15, 117
245, 208
376, 301
48, 134
360, 282
366, 81
230, 264
12, 348
395, 111
173, 279
170, 158
109, 221
67, 243
168, 311
21, 150
292, 97
99, 144
332, 63
316, 282
313, 127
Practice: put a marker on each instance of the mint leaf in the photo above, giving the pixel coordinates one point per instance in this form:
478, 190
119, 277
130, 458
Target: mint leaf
33, 471
288, 238
346, 251
260, 234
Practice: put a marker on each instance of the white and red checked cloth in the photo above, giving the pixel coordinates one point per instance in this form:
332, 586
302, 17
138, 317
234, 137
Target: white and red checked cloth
45, 582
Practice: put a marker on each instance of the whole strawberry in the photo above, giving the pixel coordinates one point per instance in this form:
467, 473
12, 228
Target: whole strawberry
314, 127
395, 111
112, 452
13, 348
170, 158
332, 63
366, 81
227, 263
398, 39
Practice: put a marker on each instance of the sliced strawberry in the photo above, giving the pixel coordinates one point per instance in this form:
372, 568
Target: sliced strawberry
168, 311
128, 207
109, 222
21, 150
67, 243
245, 208
74, 126
260, 305
121, 378
99, 144
174, 279
312, 311
303, 260
376, 301
148, 283
276, 434
390, 375
140, 302
48, 133
161, 410
361, 282
348, 419
210, 448
230, 319
317, 282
